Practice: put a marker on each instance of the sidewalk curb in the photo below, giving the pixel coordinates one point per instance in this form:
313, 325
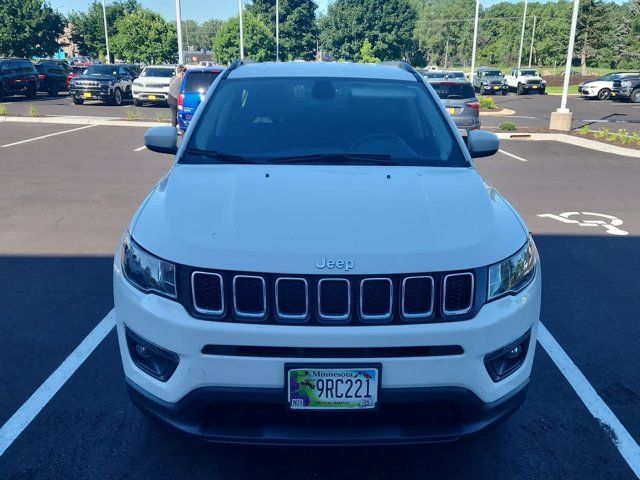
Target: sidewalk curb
82, 121
498, 113
571, 140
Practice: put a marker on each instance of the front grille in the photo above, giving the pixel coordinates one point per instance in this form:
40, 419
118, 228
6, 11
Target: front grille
534, 82
318, 300
457, 294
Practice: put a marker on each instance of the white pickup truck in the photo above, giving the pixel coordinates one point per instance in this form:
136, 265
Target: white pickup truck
525, 80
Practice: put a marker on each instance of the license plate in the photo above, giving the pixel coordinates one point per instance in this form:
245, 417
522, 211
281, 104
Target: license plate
87, 94
324, 388
452, 111
496, 87
534, 87
152, 97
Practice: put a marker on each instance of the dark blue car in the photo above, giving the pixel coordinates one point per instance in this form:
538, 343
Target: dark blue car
195, 84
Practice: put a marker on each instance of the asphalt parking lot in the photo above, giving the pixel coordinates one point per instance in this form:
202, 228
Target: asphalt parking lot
66, 194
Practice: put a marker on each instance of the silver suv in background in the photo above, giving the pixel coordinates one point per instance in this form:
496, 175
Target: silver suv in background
460, 101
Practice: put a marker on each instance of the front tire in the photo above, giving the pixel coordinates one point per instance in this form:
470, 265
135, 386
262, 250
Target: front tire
604, 94
520, 90
31, 93
78, 101
635, 95
53, 91
137, 103
116, 98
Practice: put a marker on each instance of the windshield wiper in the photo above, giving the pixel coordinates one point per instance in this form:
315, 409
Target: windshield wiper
223, 157
338, 158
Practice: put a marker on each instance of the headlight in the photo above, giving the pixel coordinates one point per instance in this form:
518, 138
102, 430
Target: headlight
514, 273
544, 82
145, 271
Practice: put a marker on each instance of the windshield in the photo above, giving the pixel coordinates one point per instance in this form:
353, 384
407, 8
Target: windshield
323, 121
101, 70
158, 72
453, 90
435, 74
455, 75
199, 81
532, 73
491, 73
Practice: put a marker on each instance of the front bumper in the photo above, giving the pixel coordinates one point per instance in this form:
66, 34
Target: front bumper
211, 394
621, 94
485, 89
91, 93
150, 94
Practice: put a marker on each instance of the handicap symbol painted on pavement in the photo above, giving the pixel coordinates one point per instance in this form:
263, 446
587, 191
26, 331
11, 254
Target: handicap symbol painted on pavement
608, 222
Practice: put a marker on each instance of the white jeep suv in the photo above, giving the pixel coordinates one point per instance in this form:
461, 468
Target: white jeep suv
323, 264
153, 84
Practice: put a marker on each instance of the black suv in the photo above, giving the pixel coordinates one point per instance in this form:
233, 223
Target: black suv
627, 88
18, 77
51, 78
109, 83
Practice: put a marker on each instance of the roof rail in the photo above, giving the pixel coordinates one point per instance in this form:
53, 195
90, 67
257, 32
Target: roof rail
235, 65
404, 66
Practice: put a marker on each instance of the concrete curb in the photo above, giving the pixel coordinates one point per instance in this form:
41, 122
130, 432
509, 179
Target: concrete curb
109, 121
571, 140
497, 113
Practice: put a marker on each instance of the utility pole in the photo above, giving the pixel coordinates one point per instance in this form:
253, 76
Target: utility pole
277, 30
533, 34
106, 33
524, 22
446, 54
241, 30
561, 118
179, 28
475, 41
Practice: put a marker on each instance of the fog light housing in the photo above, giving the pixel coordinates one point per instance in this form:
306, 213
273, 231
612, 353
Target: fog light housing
151, 359
506, 360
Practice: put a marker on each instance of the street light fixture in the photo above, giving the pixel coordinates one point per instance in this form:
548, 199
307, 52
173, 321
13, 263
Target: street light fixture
524, 22
241, 30
475, 41
277, 30
179, 32
106, 33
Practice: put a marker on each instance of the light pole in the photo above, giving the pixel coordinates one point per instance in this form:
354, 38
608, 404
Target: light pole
524, 21
277, 30
533, 34
179, 31
106, 33
561, 118
241, 30
475, 41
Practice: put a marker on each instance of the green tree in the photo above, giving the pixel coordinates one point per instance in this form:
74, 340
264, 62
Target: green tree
200, 36
88, 27
298, 26
388, 24
29, 28
144, 36
259, 44
366, 53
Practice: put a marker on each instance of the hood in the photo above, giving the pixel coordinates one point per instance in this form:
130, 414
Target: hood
98, 78
493, 78
234, 217
145, 80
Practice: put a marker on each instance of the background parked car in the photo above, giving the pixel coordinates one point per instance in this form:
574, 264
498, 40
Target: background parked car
74, 72
456, 74
18, 76
433, 74
600, 88
525, 80
57, 62
627, 88
460, 101
51, 78
153, 84
108, 83
195, 84
489, 80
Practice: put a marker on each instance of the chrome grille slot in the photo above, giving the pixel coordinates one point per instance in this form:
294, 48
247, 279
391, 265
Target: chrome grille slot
292, 298
457, 293
417, 297
207, 290
249, 296
334, 299
376, 298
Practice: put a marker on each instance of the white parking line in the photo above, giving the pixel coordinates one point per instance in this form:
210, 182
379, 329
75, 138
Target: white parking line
139, 149
513, 156
36, 402
47, 136
621, 438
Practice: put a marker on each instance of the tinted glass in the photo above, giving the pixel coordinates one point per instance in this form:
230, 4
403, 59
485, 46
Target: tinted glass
323, 121
199, 81
158, 72
455, 75
529, 72
27, 67
453, 90
101, 70
435, 74
491, 73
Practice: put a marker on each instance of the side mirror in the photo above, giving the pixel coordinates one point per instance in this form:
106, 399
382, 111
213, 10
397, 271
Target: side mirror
481, 143
161, 139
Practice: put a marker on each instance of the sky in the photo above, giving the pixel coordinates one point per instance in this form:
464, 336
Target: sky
199, 10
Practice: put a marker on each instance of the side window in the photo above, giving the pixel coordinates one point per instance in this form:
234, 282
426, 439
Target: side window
27, 67
5, 68
122, 71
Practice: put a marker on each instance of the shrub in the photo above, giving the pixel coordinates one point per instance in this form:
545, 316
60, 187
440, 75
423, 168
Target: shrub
32, 111
134, 114
508, 126
3, 110
584, 130
487, 103
602, 133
